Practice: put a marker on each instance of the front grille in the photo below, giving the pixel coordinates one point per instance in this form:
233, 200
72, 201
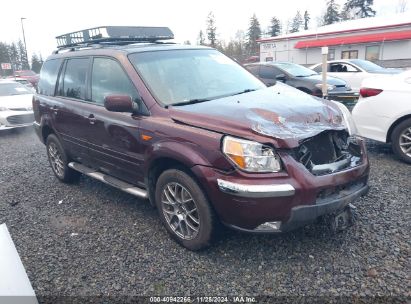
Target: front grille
21, 119
328, 152
339, 191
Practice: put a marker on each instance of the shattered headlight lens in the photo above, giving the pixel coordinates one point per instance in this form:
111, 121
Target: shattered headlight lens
251, 156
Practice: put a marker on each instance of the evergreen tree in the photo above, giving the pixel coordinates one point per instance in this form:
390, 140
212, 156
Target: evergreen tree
24, 61
253, 34
14, 57
275, 27
331, 14
306, 20
201, 39
211, 30
296, 23
355, 9
36, 63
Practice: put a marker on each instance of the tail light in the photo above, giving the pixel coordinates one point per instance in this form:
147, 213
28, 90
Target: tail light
368, 92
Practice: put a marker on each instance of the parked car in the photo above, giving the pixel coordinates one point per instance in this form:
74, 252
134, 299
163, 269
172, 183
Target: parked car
191, 130
354, 71
301, 78
383, 112
31, 76
15, 105
24, 82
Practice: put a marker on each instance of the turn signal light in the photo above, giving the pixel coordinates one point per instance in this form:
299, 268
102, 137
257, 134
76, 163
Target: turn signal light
368, 92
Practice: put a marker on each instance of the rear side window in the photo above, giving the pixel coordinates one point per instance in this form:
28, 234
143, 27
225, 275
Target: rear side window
108, 78
318, 68
48, 77
267, 72
253, 69
73, 82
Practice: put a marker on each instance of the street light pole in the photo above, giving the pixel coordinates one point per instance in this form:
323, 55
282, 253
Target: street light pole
24, 40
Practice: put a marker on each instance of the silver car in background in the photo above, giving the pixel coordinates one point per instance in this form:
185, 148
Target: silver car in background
15, 105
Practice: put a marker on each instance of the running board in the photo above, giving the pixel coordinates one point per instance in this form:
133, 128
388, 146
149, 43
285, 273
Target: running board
109, 180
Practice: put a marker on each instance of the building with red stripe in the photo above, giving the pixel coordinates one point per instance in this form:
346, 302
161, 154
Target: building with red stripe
385, 40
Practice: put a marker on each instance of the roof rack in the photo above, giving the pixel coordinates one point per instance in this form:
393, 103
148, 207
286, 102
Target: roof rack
114, 35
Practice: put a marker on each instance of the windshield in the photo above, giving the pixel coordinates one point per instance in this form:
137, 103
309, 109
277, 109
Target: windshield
25, 73
8, 89
295, 69
183, 76
367, 65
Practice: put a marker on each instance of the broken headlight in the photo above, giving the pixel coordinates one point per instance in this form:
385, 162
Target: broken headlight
251, 156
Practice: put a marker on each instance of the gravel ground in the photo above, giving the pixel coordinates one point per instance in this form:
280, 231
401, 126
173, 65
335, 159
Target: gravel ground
90, 239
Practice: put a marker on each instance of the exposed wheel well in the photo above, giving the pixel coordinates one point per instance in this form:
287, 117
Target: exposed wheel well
45, 132
396, 123
159, 166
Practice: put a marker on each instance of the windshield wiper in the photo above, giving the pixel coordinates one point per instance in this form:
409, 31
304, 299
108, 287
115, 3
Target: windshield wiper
188, 102
245, 91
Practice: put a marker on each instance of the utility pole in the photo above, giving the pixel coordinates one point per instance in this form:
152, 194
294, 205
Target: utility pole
24, 40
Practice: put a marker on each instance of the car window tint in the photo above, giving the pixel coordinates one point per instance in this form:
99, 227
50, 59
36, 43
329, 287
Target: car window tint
342, 68
267, 72
48, 77
108, 78
74, 80
254, 69
318, 68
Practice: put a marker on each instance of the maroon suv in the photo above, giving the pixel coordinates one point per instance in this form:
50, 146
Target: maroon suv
199, 136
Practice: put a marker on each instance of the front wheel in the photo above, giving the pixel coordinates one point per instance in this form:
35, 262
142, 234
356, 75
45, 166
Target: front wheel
185, 210
59, 161
401, 140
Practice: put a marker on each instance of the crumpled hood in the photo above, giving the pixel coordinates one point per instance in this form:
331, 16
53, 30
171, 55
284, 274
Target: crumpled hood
279, 112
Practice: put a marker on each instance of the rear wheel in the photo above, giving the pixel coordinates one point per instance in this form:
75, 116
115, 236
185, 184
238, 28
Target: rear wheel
401, 140
185, 210
59, 161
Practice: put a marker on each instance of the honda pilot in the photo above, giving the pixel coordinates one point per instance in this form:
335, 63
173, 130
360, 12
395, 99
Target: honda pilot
194, 133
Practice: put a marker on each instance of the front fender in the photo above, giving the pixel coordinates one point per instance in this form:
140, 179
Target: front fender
187, 153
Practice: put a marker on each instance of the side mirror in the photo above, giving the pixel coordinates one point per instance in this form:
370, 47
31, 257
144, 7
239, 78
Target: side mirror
120, 103
281, 77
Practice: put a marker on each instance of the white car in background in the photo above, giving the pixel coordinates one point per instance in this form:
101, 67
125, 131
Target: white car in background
15, 105
354, 71
383, 112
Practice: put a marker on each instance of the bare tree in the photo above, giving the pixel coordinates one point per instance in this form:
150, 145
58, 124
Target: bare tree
402, 6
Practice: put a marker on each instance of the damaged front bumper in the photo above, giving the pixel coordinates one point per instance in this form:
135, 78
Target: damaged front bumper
306, 189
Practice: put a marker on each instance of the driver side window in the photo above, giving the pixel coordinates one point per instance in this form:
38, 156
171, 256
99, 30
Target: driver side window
108, 78
342, 68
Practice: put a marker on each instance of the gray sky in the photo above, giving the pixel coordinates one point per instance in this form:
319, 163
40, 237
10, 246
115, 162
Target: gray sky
49, 18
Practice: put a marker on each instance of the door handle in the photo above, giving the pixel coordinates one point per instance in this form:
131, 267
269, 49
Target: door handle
91, 119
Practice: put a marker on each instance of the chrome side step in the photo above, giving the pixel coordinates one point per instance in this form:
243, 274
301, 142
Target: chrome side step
109, 180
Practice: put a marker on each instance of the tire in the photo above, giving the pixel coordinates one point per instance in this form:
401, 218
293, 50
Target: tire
173, 187
59, 161
401, 145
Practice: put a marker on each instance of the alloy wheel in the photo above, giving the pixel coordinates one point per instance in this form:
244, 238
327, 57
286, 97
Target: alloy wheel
405, 141
180, 211
56, 159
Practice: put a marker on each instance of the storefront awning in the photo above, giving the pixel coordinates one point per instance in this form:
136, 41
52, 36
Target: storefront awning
364, 38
